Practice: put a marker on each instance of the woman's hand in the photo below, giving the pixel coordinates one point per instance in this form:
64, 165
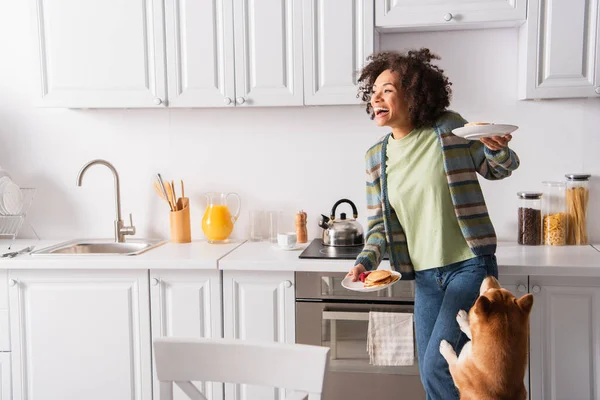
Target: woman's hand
496, 142
355, 272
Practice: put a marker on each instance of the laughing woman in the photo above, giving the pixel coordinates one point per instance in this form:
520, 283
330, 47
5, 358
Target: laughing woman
426, 208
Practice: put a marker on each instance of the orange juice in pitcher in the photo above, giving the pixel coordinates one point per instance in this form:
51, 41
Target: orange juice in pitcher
217, 222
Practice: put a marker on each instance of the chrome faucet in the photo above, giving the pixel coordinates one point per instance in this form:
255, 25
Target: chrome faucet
120, 229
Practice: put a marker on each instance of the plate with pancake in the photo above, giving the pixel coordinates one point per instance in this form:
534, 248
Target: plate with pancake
477, 130
373, 281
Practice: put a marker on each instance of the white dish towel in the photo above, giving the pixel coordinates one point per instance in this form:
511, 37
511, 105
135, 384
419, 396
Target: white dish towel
390, 339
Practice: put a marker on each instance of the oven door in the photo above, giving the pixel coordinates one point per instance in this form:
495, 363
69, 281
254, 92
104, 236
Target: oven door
342, 326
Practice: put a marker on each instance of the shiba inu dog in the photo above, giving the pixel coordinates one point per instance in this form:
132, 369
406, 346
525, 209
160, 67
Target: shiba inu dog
491, 366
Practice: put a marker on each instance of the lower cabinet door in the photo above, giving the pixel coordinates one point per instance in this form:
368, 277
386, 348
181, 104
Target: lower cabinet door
187, 303
5, 377
80, 334
258, 305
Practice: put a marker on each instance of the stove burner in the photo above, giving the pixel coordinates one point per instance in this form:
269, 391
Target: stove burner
317, 250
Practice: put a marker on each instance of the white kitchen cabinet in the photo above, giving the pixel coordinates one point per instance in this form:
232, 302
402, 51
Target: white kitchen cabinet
565, 340
5, 377
234, 53
187, 303
99, 54
80, 334
559, 50
517, 285
338, 37
423, 15
258, 305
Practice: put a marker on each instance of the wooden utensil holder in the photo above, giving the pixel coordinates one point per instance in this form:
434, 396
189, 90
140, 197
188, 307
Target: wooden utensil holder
180, 223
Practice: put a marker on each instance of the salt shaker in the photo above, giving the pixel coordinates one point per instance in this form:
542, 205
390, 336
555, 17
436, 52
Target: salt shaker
301, 233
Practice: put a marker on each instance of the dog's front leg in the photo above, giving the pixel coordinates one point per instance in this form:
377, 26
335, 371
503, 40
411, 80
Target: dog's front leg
463, 322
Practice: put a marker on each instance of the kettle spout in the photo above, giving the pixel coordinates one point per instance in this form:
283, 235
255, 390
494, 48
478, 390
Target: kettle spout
324, 222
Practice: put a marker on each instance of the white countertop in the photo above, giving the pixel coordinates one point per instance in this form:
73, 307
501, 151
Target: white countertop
513, 259
195, 255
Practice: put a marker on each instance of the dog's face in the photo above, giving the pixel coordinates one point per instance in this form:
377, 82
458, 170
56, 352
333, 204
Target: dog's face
496, 305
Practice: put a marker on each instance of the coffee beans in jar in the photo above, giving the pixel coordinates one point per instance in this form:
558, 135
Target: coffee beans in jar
529, 218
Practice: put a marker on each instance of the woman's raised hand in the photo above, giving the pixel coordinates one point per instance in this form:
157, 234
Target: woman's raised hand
496, 142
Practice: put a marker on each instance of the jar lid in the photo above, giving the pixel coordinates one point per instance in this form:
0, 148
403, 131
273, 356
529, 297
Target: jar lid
578, 177
529, 195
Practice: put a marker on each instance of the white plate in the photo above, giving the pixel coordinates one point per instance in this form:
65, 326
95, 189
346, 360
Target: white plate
478, 131
12, 198
359, 286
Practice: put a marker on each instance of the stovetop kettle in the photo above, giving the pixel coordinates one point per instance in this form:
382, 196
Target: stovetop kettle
342, 232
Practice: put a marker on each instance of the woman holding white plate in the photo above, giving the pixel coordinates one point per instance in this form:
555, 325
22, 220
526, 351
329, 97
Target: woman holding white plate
425, 205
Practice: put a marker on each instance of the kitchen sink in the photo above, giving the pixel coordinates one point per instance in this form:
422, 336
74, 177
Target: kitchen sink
92, 247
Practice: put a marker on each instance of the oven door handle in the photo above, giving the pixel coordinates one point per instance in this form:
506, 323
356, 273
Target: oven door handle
346, 315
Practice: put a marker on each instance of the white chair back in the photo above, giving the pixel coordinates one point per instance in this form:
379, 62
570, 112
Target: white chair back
291, 366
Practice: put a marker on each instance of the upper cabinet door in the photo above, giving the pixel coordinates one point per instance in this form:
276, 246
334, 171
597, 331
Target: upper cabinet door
338, 36
268, 52
560, 50
453, 14
100, 53
200, 53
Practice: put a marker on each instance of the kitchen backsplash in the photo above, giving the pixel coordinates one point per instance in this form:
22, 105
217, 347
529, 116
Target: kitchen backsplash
286, 158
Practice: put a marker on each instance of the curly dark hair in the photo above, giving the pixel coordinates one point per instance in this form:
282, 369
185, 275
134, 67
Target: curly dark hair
427, 89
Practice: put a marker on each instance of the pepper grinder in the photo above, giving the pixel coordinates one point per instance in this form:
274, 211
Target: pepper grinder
301, 233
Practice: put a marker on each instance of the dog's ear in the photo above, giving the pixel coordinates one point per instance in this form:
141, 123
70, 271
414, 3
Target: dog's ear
482, 306
525, 303
488, 283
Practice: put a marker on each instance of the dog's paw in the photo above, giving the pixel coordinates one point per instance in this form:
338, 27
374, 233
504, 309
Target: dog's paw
462, 316
445, 347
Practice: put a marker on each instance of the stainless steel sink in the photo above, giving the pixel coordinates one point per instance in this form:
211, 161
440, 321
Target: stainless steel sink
85, 247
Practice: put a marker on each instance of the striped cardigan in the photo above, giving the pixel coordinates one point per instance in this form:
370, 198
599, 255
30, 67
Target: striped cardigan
462, 159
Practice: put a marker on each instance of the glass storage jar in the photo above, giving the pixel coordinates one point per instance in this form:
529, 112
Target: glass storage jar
577, 196
554, 215
530, 218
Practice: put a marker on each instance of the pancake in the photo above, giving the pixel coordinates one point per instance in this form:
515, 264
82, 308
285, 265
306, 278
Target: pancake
477, 123
380, 278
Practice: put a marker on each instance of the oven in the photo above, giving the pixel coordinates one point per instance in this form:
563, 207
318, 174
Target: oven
327, 314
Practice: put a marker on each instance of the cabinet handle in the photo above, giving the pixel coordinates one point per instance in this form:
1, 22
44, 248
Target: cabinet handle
536, 289
521, 288
448, 17
240, 100
155, 281
227, 100
287, 284
13, 282
598, 90
157, 101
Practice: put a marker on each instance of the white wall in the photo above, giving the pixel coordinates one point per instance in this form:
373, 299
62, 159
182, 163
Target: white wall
275, 158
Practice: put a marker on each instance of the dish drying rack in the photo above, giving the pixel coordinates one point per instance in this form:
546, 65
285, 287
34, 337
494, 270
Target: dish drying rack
10, 225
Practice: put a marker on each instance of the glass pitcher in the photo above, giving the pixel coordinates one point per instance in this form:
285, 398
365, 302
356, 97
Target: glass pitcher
217, 222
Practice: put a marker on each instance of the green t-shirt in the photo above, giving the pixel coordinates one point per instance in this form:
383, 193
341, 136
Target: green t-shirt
418, 191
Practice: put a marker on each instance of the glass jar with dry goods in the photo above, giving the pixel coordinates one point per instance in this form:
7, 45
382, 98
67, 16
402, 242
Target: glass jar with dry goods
530, 218
577, 196
554, 214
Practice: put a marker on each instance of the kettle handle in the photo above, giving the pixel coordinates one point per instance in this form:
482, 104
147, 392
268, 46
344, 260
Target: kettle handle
236, 214
337, 203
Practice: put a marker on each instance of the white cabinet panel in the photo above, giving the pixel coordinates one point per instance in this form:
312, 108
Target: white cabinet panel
268, 52
258, 306
200, 53
338, 37
187, 303
560, 50
100, 54
80, 334
565, 340
5, 377
452, 14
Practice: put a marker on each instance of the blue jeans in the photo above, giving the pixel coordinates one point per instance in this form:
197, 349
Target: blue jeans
440, 294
